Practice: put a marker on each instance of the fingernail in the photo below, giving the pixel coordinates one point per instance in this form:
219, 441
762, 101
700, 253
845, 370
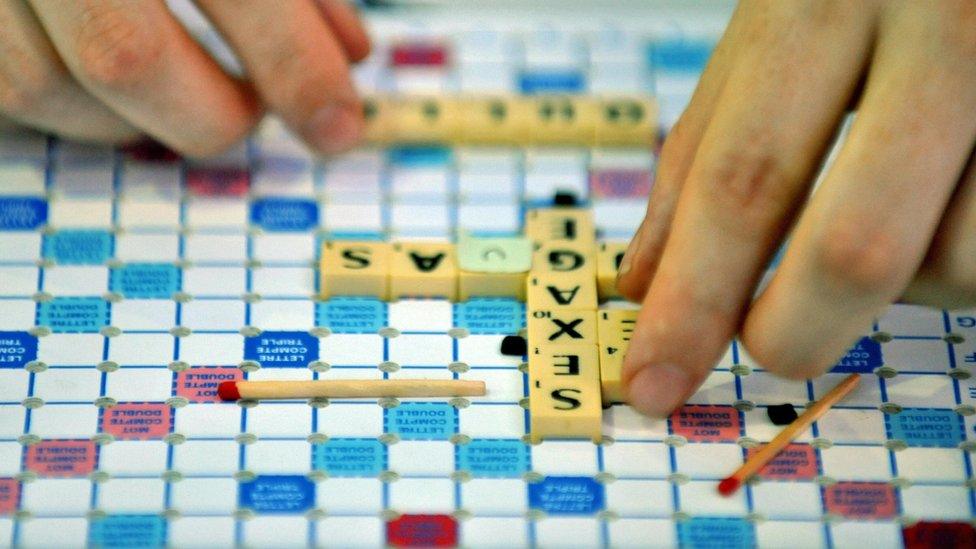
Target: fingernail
334, 128
627, 262
656, 391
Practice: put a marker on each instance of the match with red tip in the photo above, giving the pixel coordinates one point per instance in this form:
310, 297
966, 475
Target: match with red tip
227, 390
729, 486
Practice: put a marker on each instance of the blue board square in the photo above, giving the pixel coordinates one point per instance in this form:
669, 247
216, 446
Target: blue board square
278, 494
862, 358
567, 496
552, 81
282, 349
490, 315
17, 349
22, 213
285, 214
146, 280
926, 428
422, 421
494, 458
345, 457
717, 532
79, 247
128, 531
74, 314
351, 315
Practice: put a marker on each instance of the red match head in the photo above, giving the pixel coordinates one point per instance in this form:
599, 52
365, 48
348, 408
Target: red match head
227, 390
728, 486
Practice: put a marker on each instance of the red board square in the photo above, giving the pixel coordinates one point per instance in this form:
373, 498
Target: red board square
150, 151
861, 500
137, 420
418, 54
62, 458
422, 531
9, 494
621, 183
707, 423
218, 181
200, 384
795, 462
939, 535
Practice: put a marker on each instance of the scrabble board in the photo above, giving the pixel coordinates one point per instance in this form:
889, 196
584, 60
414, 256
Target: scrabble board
132, 282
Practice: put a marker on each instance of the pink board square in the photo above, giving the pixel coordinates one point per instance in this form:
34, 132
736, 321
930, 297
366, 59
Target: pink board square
418, 54
795, 462
62, 458
137, 420
621, 183
200, 384
861, 500
9, 495
218, 181
707, 423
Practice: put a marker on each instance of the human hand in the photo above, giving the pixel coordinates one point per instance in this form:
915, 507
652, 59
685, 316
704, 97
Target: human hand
894, 217
114, 70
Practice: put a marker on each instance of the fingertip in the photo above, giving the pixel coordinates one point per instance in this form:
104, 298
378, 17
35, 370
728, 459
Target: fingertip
334, 128
657, 390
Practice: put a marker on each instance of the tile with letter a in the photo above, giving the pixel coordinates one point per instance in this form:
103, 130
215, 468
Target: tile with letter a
423, 270
355, 268
555, 291
564, 392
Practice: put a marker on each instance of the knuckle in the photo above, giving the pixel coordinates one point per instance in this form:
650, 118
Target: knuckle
116, 50
866, 260
751, 182
298, 83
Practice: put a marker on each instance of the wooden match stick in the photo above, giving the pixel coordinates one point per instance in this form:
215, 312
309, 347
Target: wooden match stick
351, 388
766, 454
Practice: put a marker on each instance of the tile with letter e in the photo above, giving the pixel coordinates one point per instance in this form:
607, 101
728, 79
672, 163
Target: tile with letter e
423, 270
564, 392
614, 327
494, 267
355, 268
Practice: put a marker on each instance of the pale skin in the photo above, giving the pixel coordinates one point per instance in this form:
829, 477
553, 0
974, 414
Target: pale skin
119, 70
894, 218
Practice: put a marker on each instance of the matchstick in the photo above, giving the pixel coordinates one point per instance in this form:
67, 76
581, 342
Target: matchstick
758, 460
352, 388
